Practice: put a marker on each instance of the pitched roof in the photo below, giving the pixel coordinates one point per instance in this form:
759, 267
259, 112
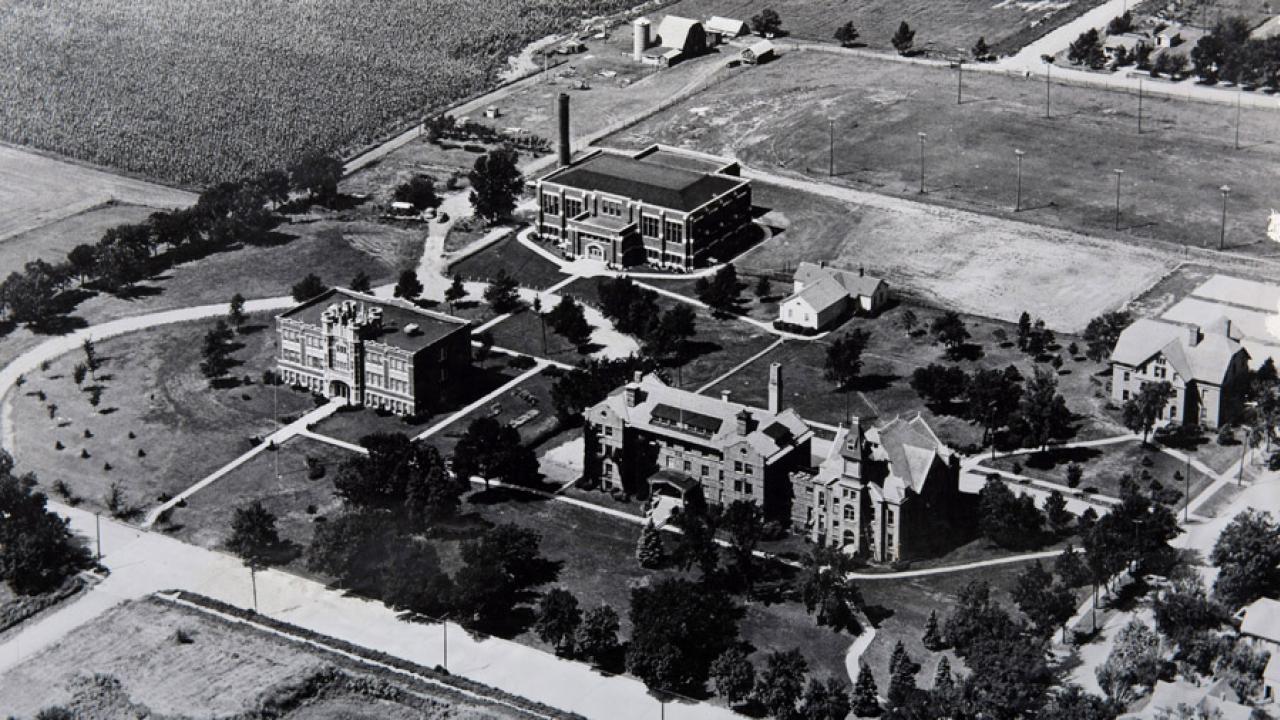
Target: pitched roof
911, 448
674, 31
1169, 696
711, 421
821, 294
649, 182
1204, 359
726, 26
760, 48
1237, 291
853, 283
1262, 620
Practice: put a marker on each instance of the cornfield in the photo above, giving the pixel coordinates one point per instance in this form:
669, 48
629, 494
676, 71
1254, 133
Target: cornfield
195, 91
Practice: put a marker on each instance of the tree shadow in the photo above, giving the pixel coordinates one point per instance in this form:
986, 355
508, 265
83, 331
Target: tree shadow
877, 614
137, 290
58, 325
874, 381
1055, 457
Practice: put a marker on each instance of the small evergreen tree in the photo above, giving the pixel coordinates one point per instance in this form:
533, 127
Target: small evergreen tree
763, 287
902, 676
455, 292
866, 702
649, 550
904, 38
942, 680
932, 636
235, 314
408, 286
361, 282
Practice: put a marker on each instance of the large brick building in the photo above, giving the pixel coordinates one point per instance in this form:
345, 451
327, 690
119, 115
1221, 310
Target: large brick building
1207, 367
660, 206
378, 353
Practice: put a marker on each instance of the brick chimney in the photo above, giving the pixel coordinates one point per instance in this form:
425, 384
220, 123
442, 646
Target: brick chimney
775, 388
562, 114
745, 422
631, 392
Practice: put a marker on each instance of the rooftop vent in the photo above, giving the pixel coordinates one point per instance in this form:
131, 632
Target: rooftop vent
411, 329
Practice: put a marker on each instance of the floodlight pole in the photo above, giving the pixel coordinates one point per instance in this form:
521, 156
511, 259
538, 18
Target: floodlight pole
1118, 173
1048, 63
959, 81
1017, 205
831, 148
1239, 93
1222, 237
1139, 106
253, 579
922, 138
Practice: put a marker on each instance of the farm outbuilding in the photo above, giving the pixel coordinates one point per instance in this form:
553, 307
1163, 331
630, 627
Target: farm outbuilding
721, 30
759, 52
683, 34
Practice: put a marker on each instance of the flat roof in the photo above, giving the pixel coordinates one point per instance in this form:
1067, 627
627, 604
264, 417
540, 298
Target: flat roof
396, 316
667, 157
651, 183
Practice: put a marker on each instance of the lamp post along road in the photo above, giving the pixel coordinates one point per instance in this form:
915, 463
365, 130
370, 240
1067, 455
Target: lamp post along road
1118, 173
1222, 236
1017, 204
831, 148
922, 138
1139, 106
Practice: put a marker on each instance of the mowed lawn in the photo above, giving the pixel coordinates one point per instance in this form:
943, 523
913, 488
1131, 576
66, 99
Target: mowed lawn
884, 391
181, 662
941, 25
159, 424
1104, 466
530, 269
53, 241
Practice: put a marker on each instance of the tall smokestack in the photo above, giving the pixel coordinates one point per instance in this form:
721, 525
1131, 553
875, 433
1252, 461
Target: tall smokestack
640, 41
775, 388
562, 104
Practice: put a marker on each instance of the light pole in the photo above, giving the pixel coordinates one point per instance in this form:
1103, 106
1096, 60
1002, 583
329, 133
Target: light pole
1048, 62
1222, 237
1139, 106
831, 148
1017, 204
1118, 173
960, 78
922, 137
1239, 92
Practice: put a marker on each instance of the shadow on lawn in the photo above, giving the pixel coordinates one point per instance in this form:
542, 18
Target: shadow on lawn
1055, 457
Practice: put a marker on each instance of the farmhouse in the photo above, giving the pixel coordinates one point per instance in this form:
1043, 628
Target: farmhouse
1129, 42
821, 295
1171, 699
662, 206
1207, 367
889, 493
649, 436
385, 354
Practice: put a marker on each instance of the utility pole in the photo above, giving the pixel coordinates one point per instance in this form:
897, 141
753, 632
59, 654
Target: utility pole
831, 148
1118, 173
97, 531
1017, 205
1222, 237
1239, 92
960, 80
253, 579
922, 138
1048, 62
1139, 106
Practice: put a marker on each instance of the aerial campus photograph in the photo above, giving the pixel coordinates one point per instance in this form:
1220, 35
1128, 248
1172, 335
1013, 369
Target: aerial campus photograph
696, 359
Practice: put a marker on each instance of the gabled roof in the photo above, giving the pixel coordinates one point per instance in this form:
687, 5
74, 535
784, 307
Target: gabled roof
726, 26
760, 48
854, 283
911, 448
1262, 620
1169, 696
820, 295
1203, 355
709, 421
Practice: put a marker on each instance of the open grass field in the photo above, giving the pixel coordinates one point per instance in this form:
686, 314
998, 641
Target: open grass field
530, 269
36, 190
941, 25
216, 670
53, 241
1168, 192
1105, 465
154, 399
884, 391
191, 92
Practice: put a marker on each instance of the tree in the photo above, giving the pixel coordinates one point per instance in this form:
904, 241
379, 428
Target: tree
649, 551
908, 321
766, 23
597, 637
408, 286
559, 619
317, 174
866, 702
38, 552
1047, 605
216, 352
308, 287
505, 562
743, 520
455, 292
950, 330
781, 684
847, 34
122, 257
91, 359
1102, 333
253, 534
733, 676
1075, 473
78, 373
943, 681
351, 548
495, 184
83, 260
1134, 661
825, 701
412, 578
1120, 24
431, 493
401, 475
1070, 569
568, 319
991, 397
844, 358
1073, 703
827, 591
764, 288
721, 291
1143, 409
1009, 520
1086, 49
235, 314
1247, 555
362, 283
502, 293
981, 51
1042, 412
902, 676
1024, 329
419, 191
678, 629
696, 543
904, 38
669, 337
939, 385
1056, 513
1186, 610
932, 639
493, 451
31, 295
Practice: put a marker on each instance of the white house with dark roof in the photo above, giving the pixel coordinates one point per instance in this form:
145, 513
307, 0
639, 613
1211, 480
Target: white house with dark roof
820, 295
888, 493
649, 437
1207, 367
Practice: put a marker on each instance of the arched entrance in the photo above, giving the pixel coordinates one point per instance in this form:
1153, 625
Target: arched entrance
595, 251
339, 389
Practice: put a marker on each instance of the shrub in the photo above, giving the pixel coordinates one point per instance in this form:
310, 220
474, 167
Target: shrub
183, 637
142, 453
106, 467
1016, 468
88, 433
522, 362
315, 468
1226, 436
57, 445
84, 454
